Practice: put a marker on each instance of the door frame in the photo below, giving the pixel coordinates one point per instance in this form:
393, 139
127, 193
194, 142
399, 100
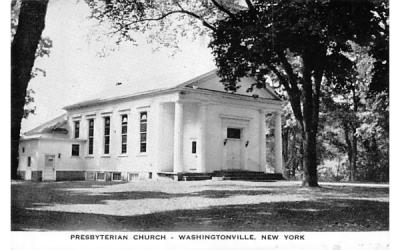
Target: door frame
194, 157
54, 167
241, 149
241, 123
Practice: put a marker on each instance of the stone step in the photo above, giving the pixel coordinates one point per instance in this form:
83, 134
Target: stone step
196, 177
222, 175
246, 175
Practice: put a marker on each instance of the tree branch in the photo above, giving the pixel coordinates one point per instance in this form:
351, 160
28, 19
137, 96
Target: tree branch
223, 9
281, 78
250, 5
182, 11
288, 68
318, 78
294, 96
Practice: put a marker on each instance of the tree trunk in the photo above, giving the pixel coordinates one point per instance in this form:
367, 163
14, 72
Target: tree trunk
309, 137
31, 23
285, 151
310, 125
310, 177
351, 147
353, 159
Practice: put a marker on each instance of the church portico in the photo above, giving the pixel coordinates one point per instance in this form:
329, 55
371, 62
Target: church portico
201, 128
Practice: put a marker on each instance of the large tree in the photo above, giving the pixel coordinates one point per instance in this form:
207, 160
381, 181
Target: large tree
301, 43
304, 44
24, 46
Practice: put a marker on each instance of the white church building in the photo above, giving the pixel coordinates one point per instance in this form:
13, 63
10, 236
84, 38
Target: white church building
195, 127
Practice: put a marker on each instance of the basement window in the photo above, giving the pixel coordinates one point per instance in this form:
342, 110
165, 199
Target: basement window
101, 176
133, 176
116, 176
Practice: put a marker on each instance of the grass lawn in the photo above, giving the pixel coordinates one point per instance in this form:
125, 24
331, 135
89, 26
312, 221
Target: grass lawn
198, 206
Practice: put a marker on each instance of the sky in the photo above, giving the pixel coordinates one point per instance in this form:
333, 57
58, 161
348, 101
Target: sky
76, 72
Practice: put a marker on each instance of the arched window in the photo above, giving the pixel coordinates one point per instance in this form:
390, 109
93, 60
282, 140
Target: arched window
143, 132
124, 134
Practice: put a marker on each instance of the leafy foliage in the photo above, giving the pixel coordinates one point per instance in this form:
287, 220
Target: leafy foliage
303, 46
164, 22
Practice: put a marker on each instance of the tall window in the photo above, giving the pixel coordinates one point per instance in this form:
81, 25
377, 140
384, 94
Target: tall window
124, 134
143, 131
106, 135
90, 137
76, 129
29, 161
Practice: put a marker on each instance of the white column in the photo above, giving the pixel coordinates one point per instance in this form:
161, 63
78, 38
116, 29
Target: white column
262, 141
203, 138
178, 137
278, 144
159, 141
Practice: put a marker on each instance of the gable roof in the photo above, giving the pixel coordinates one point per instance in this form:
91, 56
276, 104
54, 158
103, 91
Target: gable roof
211, 81
208, 81
57, 125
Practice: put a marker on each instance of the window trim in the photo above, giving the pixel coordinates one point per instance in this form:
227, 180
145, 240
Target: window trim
106, 146
194, 147
90, 137
116, 173
104, 176
234, 138
77, 129
122, 116
144, 122
72, 150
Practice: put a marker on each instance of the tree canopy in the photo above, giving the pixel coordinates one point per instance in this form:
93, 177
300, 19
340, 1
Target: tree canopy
303, 45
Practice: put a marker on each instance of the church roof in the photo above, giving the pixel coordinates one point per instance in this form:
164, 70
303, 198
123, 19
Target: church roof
209, 81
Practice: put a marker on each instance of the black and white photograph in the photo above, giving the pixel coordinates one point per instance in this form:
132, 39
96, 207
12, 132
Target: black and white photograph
225, 121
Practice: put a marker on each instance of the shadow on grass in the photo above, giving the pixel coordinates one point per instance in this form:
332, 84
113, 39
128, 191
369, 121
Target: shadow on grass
29, 195
329, 209
327, 215
23, 198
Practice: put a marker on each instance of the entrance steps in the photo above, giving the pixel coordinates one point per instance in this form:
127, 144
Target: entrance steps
246, 175
186, 176
222, 175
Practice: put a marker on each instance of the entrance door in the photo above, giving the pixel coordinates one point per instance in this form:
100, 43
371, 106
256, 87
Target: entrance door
49, 172
233, 149
193, 157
